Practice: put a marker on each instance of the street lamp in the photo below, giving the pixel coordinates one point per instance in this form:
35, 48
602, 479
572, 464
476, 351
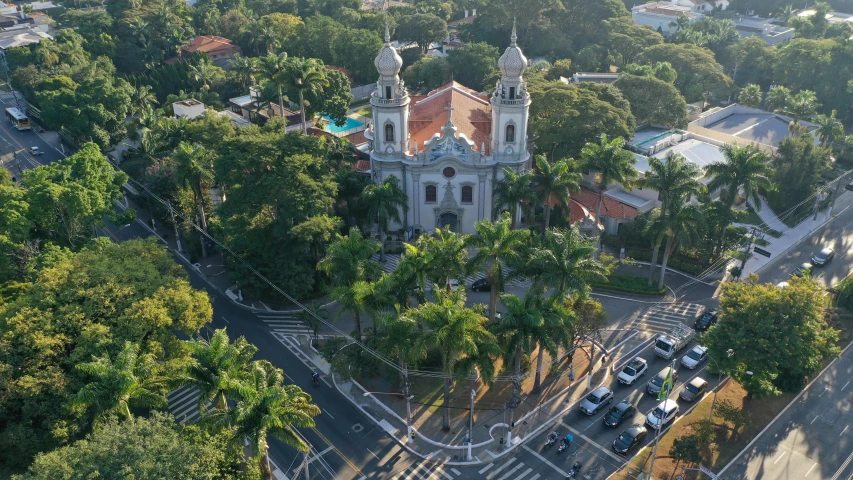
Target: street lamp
729, 354
408, 407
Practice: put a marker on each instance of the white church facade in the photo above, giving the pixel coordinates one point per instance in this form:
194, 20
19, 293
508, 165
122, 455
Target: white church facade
448, 148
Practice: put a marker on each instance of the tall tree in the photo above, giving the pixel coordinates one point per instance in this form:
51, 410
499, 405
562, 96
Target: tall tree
564, 262
274, 70
141, 99
456, 332
448, 256
699, 74
801, 106
305, 76
245, 69
497, 245
675, 179
194, 170
384, 203
347, 259
217, 367
829, 128
745, 169
518, 327
130, 380
750, 96
653, 101
612, 164
680, 227
514, 191
554, 183
423, 29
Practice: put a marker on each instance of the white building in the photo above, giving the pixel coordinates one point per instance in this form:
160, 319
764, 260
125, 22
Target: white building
663, 15
703, 6
189, 108
448, 148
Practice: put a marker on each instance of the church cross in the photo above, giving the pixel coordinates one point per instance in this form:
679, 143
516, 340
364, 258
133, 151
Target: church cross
449, 109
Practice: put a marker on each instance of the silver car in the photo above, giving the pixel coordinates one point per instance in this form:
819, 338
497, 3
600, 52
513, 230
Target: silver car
822, 257
593, 402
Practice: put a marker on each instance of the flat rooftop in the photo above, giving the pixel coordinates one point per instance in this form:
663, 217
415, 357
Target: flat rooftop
768, 129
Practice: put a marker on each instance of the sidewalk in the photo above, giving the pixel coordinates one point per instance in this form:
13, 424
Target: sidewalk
791, 236
492, 435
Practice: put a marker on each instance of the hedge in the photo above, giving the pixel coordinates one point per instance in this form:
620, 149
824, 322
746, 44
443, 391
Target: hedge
630, 284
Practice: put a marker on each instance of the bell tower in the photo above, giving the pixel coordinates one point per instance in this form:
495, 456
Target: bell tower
510, 106
390, 102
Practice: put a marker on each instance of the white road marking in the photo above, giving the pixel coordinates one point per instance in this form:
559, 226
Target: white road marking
391, 454
845, 429
226, 320
510, 472
534, 477
374, 455
498, 470
546, 461
589, 440
845, 386
815, 418
780, 457
843, 466
329, 414
439, 470
483, 470
320, 454
457, 472
810, 470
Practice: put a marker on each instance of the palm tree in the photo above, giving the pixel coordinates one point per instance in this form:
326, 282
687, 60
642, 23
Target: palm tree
564, 262
383, 203
47, 53
612, 163
516, 329
496, 246
455, 331
244, 68
217, 366
274, 69
554, 182
194, 170
413, 268
306, 76
557, 322
131, 380
512, 191
448, 256
800, 107
829, 128
681, 225
203, 72
674, 179
142, 99
268, 407
745, 169
347, 259
312, 320
400, 337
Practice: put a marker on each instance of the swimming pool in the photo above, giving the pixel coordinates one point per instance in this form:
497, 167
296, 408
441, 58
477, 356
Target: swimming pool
351, 124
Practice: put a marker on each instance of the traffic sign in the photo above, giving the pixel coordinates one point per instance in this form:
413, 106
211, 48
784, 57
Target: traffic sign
761, 251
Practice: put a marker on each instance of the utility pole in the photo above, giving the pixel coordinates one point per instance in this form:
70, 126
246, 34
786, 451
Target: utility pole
177, 236
660, 420
748, 253
838, 185
591, 364
408, 403
471, 426
818, 198
305, 464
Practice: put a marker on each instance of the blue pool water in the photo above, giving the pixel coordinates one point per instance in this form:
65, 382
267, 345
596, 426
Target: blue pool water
351, 123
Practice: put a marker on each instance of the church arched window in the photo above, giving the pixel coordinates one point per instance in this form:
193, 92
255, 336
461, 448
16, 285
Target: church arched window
389, 132
467, 194
510, 133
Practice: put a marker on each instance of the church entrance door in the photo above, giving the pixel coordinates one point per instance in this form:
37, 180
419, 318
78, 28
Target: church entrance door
448, 220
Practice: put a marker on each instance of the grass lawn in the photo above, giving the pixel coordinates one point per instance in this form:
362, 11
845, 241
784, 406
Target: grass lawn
630, 284
752, 218
365, 112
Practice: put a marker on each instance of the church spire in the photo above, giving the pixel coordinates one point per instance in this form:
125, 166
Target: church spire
513, 37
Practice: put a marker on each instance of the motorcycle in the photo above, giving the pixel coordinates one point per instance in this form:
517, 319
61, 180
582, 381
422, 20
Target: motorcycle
563, 446
551, 439
576, 468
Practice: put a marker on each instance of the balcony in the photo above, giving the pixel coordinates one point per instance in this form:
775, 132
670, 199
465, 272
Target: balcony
505, 101
374, 99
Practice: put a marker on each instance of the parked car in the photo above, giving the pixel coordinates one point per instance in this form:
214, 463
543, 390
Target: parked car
822, 257
849, 186
694, 389
481, 285
781, 284
655, 383
635, 369
694, 357
629, 439
593, 402
498, 315
704, 321
664, 413
803, 269
453, 284
618, 414
36, 151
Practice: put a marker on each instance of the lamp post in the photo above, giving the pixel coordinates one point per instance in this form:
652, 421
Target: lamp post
408, 408
729, 354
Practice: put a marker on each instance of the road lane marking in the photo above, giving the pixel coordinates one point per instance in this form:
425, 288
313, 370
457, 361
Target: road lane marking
780, 457
815, 419
510, 472
226, 320
371, 452
439, 470
320, 454
845, 386
534, 477
843, 466
589, 440
498, 470
546, 461
457, 472
329, 414
845, 429
483, 470
391, 454
810, 470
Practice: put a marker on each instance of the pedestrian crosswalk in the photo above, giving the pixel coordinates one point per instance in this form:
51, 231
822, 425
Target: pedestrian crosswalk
662, 318
183, 404
391, 262
428, 471
286, 323
509, 470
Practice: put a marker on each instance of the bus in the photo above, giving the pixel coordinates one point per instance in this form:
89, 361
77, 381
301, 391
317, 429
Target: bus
18, 118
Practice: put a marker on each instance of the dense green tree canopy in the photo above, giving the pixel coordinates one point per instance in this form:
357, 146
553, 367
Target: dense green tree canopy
423, 29
475, 65
798, 168
699, 74
428, 73
653, 101
779, 335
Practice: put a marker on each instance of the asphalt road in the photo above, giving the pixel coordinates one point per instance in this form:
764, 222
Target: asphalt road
812, 439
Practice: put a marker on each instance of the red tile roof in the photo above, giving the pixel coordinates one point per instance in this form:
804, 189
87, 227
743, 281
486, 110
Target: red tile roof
471, 114
357, 138
343, 70
211, 44
611, 207
577, 212
467, 20
361, 166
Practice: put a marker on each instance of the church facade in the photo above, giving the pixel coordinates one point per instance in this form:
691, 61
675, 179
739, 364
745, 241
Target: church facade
448, 148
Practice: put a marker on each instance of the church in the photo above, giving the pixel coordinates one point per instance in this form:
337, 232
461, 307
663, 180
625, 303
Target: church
448, 148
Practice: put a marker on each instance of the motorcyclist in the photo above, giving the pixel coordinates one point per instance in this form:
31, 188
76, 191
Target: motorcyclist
576, 468
315, 377
551, 439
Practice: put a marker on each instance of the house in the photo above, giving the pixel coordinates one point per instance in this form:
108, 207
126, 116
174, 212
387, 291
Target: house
663, 16
18, 18
454, 27
189, 108
253, 110
591, 77
22, 36
702, 6
772, 31
745, 125
219, 49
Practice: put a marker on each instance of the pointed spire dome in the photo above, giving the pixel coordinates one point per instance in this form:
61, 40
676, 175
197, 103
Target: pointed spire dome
388, 63
512, 63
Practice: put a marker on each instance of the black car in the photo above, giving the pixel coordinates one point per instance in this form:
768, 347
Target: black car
481, 285
619, 413
629, 439
705, 320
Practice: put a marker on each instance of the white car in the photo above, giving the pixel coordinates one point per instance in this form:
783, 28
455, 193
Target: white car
634, 370
694, 357
664, 413
36, 151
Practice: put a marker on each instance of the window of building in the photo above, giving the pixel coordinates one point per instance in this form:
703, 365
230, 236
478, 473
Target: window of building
467, 194
387, 91
389, 132
448, 172
430, 193
510, 133
511, 93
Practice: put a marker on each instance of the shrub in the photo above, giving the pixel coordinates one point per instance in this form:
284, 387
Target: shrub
686, 449
630, 284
